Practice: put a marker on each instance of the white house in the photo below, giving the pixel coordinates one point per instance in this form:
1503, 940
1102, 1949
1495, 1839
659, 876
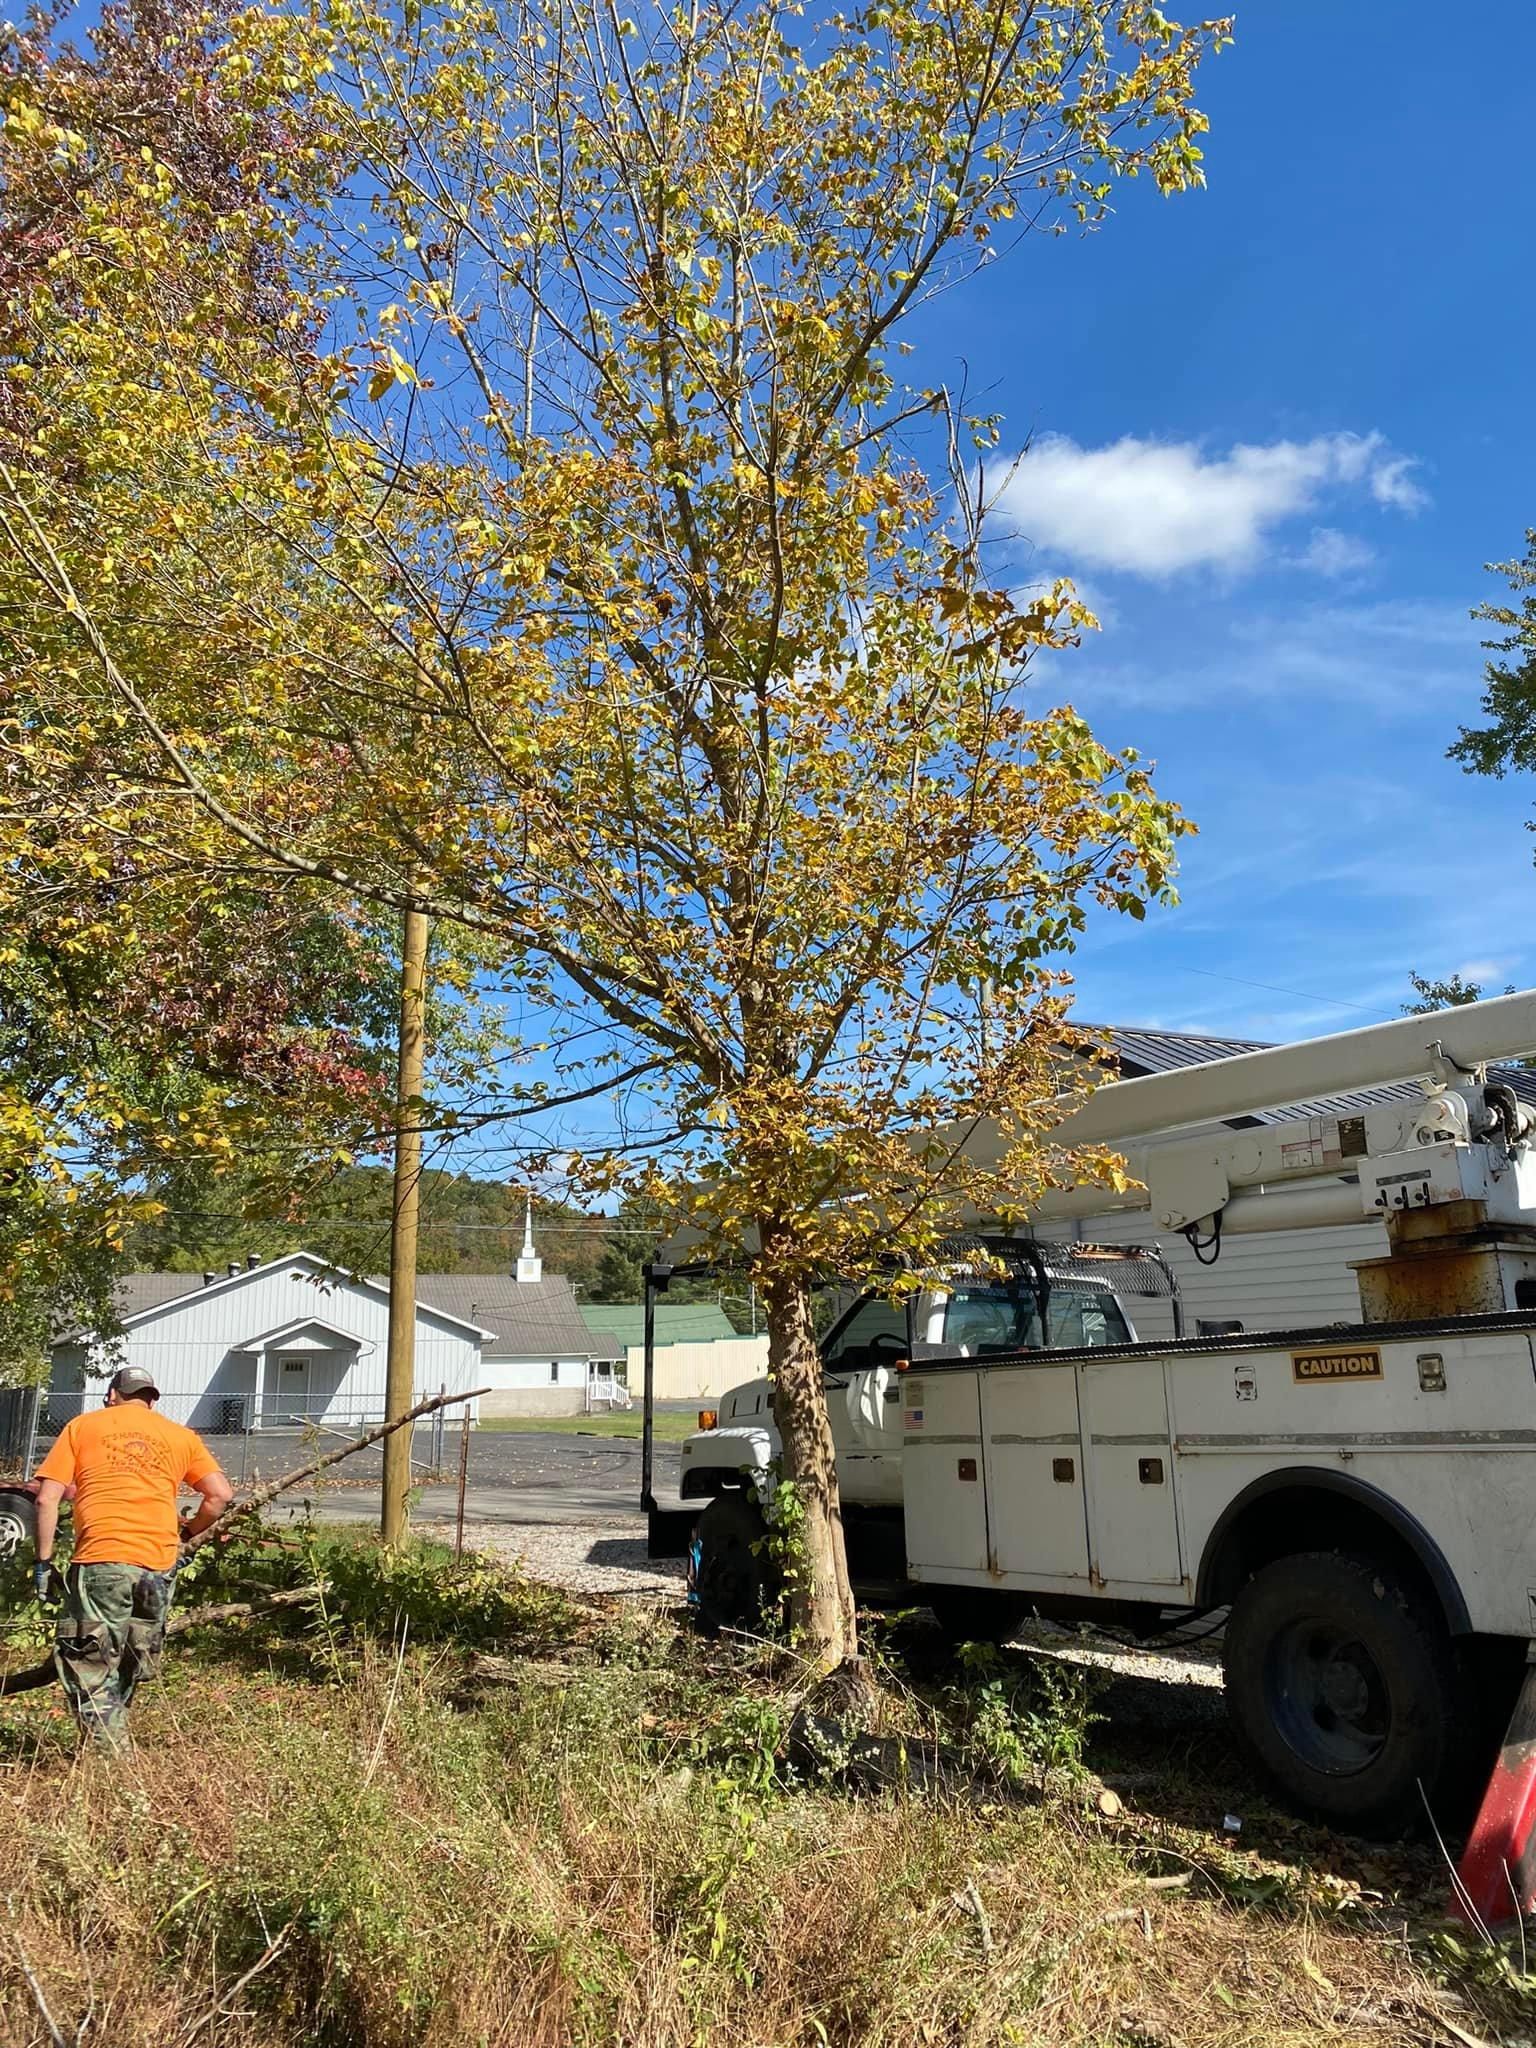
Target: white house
294, 1341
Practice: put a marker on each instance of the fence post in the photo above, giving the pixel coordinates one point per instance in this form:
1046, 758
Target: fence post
458, 1538
34, 1412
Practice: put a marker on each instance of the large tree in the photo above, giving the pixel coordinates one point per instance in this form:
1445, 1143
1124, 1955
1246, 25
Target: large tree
184, 1024
1509, 700
1450, 994
576, 564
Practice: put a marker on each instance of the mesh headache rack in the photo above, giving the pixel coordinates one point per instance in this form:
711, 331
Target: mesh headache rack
1044, 1264
1127, 1268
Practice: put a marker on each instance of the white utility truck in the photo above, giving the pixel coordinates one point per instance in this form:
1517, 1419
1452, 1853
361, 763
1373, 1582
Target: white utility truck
1362, 1497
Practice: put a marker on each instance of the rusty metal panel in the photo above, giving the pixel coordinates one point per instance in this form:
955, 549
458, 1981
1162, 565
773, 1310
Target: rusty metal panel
1430, 1285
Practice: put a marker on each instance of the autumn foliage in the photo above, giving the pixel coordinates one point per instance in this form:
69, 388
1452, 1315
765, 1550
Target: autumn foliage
562, 549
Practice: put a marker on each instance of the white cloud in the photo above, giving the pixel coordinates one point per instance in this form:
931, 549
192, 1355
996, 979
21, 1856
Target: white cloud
1154, 508
1334, 554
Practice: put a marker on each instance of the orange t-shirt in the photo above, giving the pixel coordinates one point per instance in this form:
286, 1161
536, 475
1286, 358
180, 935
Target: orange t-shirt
127, 1464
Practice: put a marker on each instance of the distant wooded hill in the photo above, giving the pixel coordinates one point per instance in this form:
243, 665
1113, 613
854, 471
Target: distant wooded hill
467, 1226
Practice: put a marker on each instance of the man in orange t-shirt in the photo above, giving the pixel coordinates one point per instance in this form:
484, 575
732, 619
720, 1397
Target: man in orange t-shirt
127, 1465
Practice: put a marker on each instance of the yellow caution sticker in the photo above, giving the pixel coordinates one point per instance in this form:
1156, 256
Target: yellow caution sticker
1357, 1362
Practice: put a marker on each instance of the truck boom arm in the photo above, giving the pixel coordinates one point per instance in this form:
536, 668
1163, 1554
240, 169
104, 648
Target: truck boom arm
1460, 1139
1408, 1049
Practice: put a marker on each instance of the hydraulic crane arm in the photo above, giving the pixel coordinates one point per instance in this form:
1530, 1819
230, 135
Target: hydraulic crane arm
1461, 1138
1437, 1048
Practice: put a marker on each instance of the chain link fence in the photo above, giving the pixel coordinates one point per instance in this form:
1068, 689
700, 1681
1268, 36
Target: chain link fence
252, 1440
21, 1412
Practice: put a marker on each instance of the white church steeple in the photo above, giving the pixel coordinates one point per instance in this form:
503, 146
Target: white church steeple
529, 1265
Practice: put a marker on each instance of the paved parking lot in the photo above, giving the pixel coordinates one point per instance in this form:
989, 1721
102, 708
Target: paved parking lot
515, 1476
567, 1507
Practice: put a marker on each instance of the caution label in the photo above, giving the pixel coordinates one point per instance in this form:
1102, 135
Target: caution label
1361, 1362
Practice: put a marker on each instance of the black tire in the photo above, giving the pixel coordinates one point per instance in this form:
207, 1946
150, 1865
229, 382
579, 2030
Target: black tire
735, 1581
1490, 1671
977, 1614
18, 1528
1342, 1687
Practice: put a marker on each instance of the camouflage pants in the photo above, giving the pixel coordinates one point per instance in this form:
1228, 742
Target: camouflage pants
109, 1638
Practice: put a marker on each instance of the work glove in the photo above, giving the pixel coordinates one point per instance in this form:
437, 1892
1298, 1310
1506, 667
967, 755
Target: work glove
47, 1584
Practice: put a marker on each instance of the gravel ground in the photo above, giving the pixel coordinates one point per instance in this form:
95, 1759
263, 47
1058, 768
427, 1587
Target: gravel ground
584, 1557
1172, 1686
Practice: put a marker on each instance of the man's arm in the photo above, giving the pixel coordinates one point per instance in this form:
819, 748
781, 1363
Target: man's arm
49, 1493
217, 1494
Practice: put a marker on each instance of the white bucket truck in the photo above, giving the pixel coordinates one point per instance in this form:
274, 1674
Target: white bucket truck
1362, 1497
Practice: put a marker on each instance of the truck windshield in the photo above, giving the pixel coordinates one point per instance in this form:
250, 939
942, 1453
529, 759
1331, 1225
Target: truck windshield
979, 1318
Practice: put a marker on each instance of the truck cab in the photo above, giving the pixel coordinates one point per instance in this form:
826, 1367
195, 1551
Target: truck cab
986, 1298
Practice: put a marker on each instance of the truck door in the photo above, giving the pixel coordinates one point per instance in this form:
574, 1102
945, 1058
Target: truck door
1133, 1527
864, 1399
1039, 1523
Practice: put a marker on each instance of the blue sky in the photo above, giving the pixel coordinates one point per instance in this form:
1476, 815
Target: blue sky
1276, 429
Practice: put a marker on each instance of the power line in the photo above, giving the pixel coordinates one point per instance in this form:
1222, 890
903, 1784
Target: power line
1300, 994
570, 1228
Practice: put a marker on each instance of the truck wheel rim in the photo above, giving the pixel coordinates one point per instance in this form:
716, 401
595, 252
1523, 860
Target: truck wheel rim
13, 1536
1327, 1698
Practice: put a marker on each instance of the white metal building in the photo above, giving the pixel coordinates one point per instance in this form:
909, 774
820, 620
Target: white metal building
293, 1341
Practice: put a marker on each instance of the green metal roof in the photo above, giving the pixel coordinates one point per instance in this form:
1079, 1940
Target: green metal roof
623, 1323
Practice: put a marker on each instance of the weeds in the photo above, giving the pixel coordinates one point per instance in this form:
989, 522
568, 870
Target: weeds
744, 1742
598, 1843
422, 1591
1028, 1722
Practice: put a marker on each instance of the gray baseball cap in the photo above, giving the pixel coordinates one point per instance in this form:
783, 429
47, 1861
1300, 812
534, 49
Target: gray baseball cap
129, 1380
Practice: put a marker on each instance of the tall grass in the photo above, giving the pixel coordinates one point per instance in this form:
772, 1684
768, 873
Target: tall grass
348, 1841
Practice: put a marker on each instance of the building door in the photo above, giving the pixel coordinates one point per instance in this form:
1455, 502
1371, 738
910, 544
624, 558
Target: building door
291, 1390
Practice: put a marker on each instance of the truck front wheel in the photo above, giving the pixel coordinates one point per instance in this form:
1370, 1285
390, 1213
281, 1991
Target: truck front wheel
735, 1579
1341, 1684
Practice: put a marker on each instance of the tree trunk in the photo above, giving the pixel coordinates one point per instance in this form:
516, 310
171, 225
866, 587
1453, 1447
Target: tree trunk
820, 1597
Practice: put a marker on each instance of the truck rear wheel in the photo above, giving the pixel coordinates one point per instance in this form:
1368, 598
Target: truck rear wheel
1341, 1685
735, 1579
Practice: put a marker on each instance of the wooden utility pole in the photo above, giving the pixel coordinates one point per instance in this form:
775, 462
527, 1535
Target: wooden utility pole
400, 1372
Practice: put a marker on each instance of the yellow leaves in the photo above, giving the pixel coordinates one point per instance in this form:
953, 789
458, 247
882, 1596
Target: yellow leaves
392, 371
